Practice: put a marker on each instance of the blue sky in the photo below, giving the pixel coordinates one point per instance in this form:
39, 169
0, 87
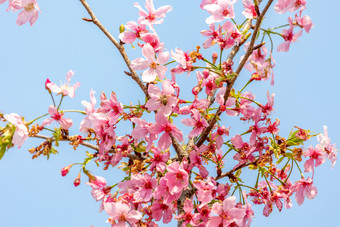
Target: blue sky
33, 193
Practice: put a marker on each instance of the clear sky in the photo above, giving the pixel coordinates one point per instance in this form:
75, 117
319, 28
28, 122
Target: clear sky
33, 193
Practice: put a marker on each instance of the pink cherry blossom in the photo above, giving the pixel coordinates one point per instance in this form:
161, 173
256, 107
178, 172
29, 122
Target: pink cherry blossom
205, 190
57, 116
227, 212
283, 6
65, 89
134, 31
188, 217
289, 38
86, 123
153, 16
163, 125
218, 135
230, 102
99, 189
164, 100
304, 188
249, 9
122, 213
155, 67
160, 210
198, 123
159, 159
176, 178
29, 13
146, 184
21, 132
316, 157
111, 106
221, 10
330, 149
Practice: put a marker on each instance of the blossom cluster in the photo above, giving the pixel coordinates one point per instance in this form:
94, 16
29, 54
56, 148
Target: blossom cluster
167, 173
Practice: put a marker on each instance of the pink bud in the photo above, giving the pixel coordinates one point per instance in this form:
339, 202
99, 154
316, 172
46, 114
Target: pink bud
47, 82
76, 181
64, 171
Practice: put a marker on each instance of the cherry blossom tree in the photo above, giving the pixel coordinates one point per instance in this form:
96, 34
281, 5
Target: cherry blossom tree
181, 159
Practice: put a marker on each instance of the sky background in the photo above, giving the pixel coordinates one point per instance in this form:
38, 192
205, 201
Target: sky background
33, 193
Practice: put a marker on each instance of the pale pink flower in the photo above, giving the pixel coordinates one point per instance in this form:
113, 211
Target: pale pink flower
21, 132
249, 9
57, 116
205, 190
207, 2
133, 31
283, 6
221, 10
198, 123
176, 178
184, 60
155, 67
317, 155
289, 38
99, 189
325, 142
188, 217
111, 106
163, 192
86, 123
304, 22
227, 212
122, 213
212, 34
164, 100
159, 159
218, 135
29, 13
65, 89
160, 210
163, 125
304, 188
146, 184
153, 40
2, 1
153, 16
230, 102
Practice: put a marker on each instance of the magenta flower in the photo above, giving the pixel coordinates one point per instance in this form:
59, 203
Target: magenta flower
153, 16
227, 212
155, 67
223, 9
163, 125
164, 100
122, 213
304, 188
21, 132
198, 123
65, 123
65, 89
29, 13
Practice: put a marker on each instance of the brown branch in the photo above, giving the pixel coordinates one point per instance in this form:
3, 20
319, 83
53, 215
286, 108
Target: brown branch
85, 144
231, 82
120, 47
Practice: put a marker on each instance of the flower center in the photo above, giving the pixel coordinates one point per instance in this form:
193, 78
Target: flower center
29, 7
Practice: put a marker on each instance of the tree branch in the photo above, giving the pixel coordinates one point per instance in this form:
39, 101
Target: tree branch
120, 48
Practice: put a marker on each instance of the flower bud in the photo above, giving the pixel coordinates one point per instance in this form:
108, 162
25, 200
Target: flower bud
46, 83
76, 181
64, 171
214, 57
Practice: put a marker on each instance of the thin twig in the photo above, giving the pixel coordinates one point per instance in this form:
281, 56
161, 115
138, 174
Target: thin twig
85, 144
120, 47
